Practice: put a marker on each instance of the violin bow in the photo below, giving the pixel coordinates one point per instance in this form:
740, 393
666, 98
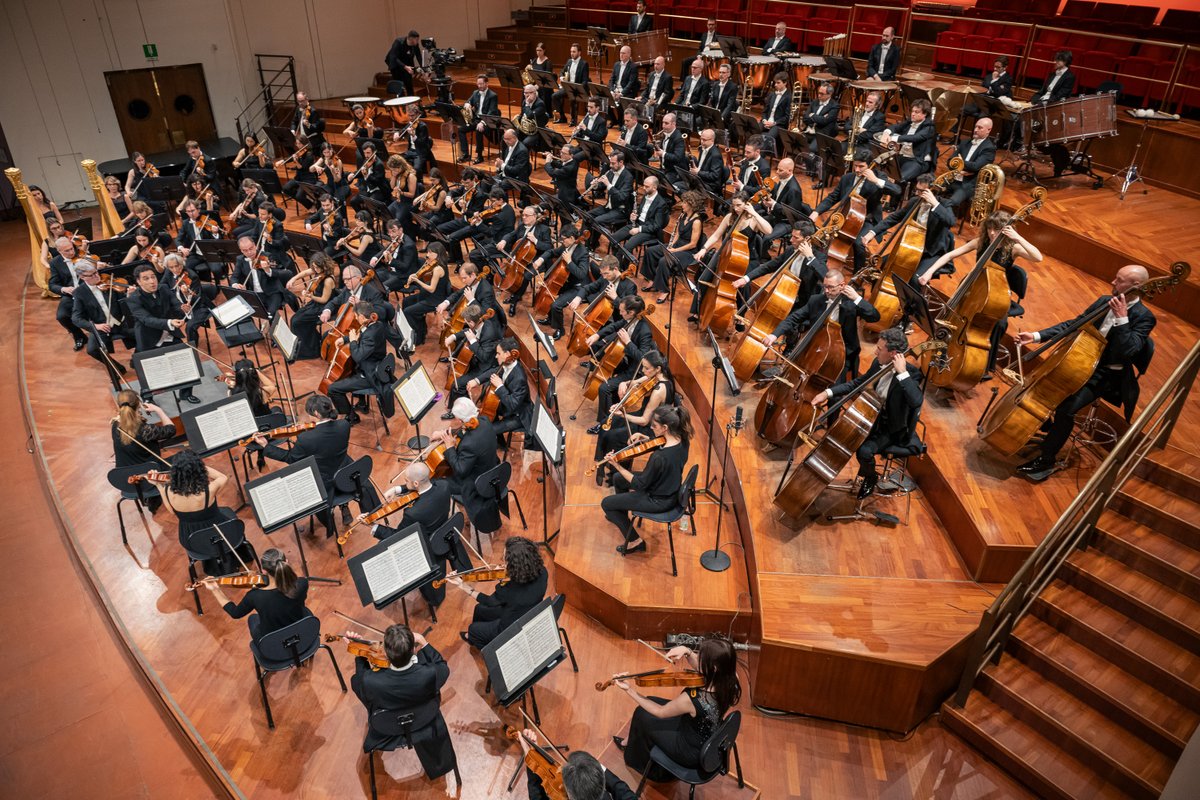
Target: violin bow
349, 618
656, 651
225, 539
553, 747
129, 386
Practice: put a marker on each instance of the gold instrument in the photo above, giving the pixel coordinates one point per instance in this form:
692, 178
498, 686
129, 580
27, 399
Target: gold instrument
527, 74
989, 185
526, 125
468, 114
746, 98
855, 127
797, 108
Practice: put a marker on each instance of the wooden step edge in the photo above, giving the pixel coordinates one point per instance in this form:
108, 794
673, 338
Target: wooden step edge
1117, 652
1115, 543
1102, 700
1136, 608
1146, 511
1164, 468
1074, 743
1043, 785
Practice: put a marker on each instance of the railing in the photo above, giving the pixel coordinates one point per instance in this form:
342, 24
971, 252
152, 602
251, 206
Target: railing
277, 77
1149, 431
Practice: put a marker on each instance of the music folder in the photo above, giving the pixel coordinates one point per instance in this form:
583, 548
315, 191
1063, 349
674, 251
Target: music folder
392, 568
164, 369
524, 652
287, 495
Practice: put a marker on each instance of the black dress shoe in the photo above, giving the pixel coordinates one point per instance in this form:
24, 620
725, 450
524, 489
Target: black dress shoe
587, 364
557, 335
693, 318
620, 743
463, 635
512, 309
1039, 464
868, 487
594, 430
444, 360
600, 476
191, 398
477, 161
544, 321
449, 415
987, 376
353, 418
346, 518
626, 549
121, 368
79, 343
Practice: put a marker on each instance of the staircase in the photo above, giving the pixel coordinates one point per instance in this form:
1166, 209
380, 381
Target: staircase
509, 45
1098, 690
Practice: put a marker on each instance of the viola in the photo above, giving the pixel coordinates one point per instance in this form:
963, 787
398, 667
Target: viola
343, 322
854, 210
477, 575
250, 581
151, 171
593, 318
281, 433
153, 476
540, 763
371, 651
631, 451
386, 510
720, 301
610, 359
632, 399
657, 678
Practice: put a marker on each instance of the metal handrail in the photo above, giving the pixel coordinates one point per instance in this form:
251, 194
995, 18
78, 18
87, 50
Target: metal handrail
281, 77
1150, 430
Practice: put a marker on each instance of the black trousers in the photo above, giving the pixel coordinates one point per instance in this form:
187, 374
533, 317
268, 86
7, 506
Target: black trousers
65, 304
415, 314
339, 390
636, 240
558, 102
99, 340
292, 190
559, 306
616, 507
1103, 383
876, 441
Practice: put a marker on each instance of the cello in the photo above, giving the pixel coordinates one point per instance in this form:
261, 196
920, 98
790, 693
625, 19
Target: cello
1008, 425
460, 360
341, 364
343, 322
593, 318
720, 301
968, 318
611, 358
827, 459
455, 323
854, 210
556, 278
781, 292
905, 257
518, 263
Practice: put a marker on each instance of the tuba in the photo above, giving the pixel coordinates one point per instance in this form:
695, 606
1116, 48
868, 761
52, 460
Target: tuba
989, 185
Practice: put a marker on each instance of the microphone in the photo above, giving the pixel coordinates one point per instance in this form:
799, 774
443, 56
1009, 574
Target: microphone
738, 422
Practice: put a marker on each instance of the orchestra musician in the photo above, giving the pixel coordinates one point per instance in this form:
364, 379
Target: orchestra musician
485, 103
201, 191
821, 118
744, 219
144, 249
523, 589
260, 390
685, 241
305, 176
902, 396
432, 287
135, 438
660, 88
435, 205
398, 258
680, 727
329, 167
629, 326
656, 487
193, 495
251, 154
418, 143
723, 93
710, 164
472, 193
371, 177
920, 135
142, 218
470, 454
623, 80
475, 290
786, 194
360, 245
594, 126
195, 298
361, 128
805, 263
245, 213
256, 272
626, 422
63, 281
872, 121
939, 221
54, 232
634, 136
610, 282
368, 346
482, 335
316, 287
533, 108
649, 217
617, 184
193, 228
268, 608
574, 71
137, 173
102, 312
641, 21
583, 778
122, 201
672, 150
412, 681
430, 511
487, 231
511, 385
779, 43
197, 164
542, 63
695, 87
884, 58
328, 222
1014, 245
513, 161
564, 173
997, 83
403, 59
861, 180
404, 184
709, 40
531, 229
976, 153
158, 317
275, 242
1058, 86
752, 168
1126, 327
308, 121
777, 107
578, 264
851, 307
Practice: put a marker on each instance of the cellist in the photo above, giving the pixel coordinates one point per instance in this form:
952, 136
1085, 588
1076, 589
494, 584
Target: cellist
628, 326
805, 262
851, 306
482, 336
861, 181
902, 397
530, 229
583, 777
743, 218
939, 227
367, 345
575, 257
1126, 327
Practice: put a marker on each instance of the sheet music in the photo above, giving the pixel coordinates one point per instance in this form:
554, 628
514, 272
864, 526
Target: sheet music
286, 497
406, 331
227, 423
284, 338
170, 369
400, 565
524, 654
547, 433
232, 311
416, 393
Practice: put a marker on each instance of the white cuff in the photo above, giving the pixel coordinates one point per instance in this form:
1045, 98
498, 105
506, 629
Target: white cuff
1120, 321
902, 375
1037, 337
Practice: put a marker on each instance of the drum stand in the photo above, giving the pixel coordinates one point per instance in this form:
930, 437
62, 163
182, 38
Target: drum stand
1131, 174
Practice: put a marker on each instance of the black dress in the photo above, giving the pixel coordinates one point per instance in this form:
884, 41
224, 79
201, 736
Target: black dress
657, 267
496, 611
270, 609
679, 737
191, 522
151, 438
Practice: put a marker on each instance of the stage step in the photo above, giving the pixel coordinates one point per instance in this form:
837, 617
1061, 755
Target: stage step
1167, 511
1173, 469
1163, 558
548, 16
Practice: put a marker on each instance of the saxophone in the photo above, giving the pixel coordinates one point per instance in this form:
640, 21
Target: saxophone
989, 185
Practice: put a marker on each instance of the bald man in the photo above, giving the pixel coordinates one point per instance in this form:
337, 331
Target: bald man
1126, 327
786, 195
623, 82
660, 88
976, 153
885, 57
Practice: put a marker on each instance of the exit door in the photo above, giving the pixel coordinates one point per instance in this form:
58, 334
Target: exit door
161, 108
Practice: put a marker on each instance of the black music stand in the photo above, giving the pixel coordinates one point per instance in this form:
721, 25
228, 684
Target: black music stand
520, 656
167, 369
453, 115
286, 496
600, 90
593, 153
707, 117
235, 421
792, 143
733, 47
915, 306
510, 78
743, 126
551, 440
377, 574
415, 394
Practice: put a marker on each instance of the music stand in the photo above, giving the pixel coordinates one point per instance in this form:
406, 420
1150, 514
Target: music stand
743, 126
523, 654
551, 439
416, 394
631, 156
709, 117
551, 141
79, 227
593, 153
733, 47
452, 114
286, 341
167, 369
791, 143
600, 90
721, 366
915, 305
243, 332
286, 496
389, 570
510, 78
576, 93
219, 426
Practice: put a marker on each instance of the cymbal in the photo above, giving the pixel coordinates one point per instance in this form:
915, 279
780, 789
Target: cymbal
916, 76
877, 85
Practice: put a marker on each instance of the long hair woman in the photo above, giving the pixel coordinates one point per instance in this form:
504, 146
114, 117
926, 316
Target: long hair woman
136, 439
523, 589
192, 495
274, 606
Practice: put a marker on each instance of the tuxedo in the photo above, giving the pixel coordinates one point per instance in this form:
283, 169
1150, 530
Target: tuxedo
848, 313
558, 100
787, 193
823, 117
326, 443
152, 314
535, 111
975, 157
1054, 90
711, 168
809, 271
565, 176
641, 23
658, 85
778, 44
694, 91
723, 98
513, 240
620, 198
515, 412
483, 104
896, 425
777, 107
314, 126
884, 66
62, 275
674, 152
624, 78
939, 232
515, 163
923, 141
651, 217
191, 232
641, 341
869, 126
595, 128
471, 457
872, 193
368, 354
87, 310
430, 511
998, 87
271, 289
637, 140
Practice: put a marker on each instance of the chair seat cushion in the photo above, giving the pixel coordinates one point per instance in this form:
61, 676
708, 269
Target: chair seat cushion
670, 515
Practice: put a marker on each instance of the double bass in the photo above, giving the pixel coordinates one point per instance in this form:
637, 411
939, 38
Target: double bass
854, 211
1009, 424
611, 358
968, 318
833, 452
781, 292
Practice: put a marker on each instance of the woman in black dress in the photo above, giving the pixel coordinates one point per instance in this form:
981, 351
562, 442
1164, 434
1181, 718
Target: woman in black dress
363, 246
252, 155
744, 219
542, 63
431, 287
135, 439
43, 204
275, 606
331, 168
523, 589
258, 388
192, 495
435, 201
626, 423
655, 488
122, 201
315, 287
684, 243
681, 726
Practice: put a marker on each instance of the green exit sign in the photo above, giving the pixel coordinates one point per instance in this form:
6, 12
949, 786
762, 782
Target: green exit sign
150, 50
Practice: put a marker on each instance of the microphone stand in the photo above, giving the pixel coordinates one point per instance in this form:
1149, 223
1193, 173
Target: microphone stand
716, 560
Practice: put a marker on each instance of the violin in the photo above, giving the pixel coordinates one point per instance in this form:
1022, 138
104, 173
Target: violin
477, 575
425, 271
633, 397
371, 651
657, 678
153, 476
115, 284
386, 510
358, 230
630, 451
151, 171
250, 581
281, 433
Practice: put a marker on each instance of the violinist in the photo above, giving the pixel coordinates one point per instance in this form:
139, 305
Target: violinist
805, 263
685, 241
260, 390
432, 287
361, 126
471, 453
102, 311
192, 495
63, 281
902, 397
574, 253
276, 605
142, 218
122, 201
360, 245
1126, 327
483, 102
397, 259
434, 205
681, 726
627, 420
195, 299
412, 682
138, 173
744, 219
583, 777
786, 194
648, 219
617, 185
530, 229
464, 202
255, 272
564, 174
316, 287
513, 597
575, 70
330, 168
404, 182
244, 216
851, 307
1013, 246
328, 223
200, 191
198, 164
135, 439
195, 227
308, 121
371, 178
430, 510
511, 385
482, 336
628, 326
159, 319
656, 487
304, 158
275, 244
862, 181
916, 139
252, 154
145, 249
418, 149
368, 346
500, 220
